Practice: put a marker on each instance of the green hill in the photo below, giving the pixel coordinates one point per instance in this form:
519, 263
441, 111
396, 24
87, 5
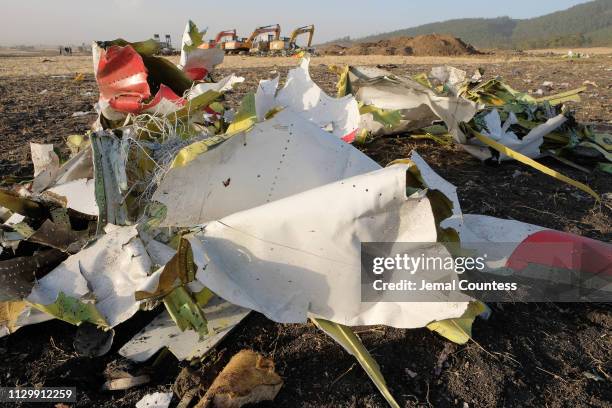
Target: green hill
588, 24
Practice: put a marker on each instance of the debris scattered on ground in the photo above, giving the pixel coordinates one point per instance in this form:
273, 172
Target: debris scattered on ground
500, 124
175, 198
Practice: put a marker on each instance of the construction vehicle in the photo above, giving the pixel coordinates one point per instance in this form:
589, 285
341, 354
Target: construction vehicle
244, 45
261, 45
165, 47
288, 46
217, 42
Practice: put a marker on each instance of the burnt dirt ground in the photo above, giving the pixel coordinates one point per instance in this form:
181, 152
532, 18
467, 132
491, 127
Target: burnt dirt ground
524, 355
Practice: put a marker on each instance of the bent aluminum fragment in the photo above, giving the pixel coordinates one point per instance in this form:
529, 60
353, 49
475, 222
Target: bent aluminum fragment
221, 318
282, 156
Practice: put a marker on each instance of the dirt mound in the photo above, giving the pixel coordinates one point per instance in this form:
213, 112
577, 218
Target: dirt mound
422, 45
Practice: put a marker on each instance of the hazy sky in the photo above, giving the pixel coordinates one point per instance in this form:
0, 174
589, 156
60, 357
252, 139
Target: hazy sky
71, 21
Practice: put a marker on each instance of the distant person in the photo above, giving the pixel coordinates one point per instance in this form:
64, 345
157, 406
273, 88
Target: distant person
60, 48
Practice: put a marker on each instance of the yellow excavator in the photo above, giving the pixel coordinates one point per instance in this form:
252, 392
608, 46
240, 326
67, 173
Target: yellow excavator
244, 45
288, 46
217, 41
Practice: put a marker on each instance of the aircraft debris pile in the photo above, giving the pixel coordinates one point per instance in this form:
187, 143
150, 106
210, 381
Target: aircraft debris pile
176, 199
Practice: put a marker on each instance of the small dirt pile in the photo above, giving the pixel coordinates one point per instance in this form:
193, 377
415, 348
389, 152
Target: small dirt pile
422, 45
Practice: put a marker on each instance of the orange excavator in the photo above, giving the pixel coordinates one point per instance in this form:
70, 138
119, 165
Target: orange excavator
243, 45
288, 46
217, 41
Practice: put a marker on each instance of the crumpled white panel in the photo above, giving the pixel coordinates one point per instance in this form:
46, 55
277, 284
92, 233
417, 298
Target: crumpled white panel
277, 158
160, 253
436, 182
482, 232
529, 145
265, 96
46, 165
302, 95
198, 57
418, 104
451, 77
221, 318
201, 58
80, 195
301, 254
77, 167
114, 268
478, 232
484, 228
225, 84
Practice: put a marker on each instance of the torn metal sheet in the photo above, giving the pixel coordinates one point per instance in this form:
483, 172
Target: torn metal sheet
109, 158
119, 71
255, 168
79, 166
434, 181
529, 145
418, 104
46, 165
221, 318
126, 74
475, 230
79, 194
160, 253
516, 247
302, 95
591, 257
111, 269
177, 271
197, 62
450, 77
185, 311
265, 97
59, 237
310, 262
460, 330
164, 102
245, 118
225, 84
